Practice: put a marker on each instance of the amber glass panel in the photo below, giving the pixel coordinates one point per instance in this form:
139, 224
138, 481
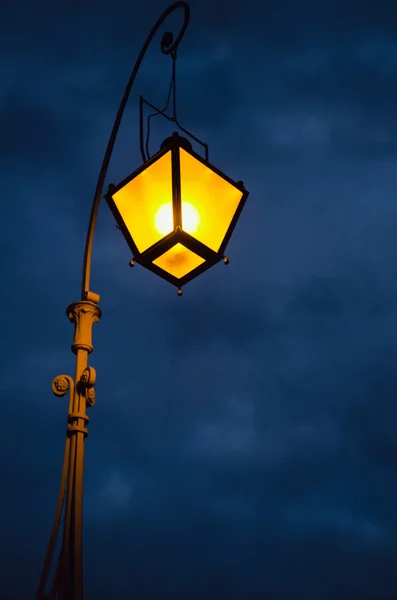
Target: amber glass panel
140, 200
178, 261
215, 199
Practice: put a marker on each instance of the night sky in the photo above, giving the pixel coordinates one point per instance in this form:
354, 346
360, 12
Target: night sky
243, 444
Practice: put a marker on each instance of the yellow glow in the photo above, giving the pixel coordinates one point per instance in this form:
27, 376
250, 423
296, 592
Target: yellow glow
178, 261
190, 218
140, 200
209, 202
163, 219
214, 199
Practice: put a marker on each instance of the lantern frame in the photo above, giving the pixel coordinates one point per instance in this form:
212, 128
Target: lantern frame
177, 235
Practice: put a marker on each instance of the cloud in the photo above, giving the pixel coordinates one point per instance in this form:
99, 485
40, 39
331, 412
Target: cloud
30, 129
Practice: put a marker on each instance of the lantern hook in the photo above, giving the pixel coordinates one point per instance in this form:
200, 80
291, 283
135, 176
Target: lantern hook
144, 146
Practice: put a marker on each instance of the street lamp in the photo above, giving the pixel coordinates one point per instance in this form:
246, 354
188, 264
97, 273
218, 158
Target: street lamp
177, 212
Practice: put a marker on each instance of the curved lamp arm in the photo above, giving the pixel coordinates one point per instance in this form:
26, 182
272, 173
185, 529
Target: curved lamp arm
168, 45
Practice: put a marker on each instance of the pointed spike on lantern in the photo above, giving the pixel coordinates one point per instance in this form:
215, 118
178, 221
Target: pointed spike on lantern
226, 260
131, 263
180, 292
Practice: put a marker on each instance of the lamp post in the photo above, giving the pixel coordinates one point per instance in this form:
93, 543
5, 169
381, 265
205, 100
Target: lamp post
177, 213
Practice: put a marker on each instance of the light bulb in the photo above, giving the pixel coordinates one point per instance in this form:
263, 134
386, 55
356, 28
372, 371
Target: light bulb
163, 219
190, 218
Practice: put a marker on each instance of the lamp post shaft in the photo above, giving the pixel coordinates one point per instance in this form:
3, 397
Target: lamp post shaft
83, 315
68, 580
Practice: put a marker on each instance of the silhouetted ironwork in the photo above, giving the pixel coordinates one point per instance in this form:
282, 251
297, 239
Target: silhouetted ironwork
168, 45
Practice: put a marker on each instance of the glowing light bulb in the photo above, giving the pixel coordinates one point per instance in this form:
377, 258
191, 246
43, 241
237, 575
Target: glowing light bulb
190, 218
163, 219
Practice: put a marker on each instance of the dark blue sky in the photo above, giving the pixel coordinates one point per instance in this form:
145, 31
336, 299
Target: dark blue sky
244, 440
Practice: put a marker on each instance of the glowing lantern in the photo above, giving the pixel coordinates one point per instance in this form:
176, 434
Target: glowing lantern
177, 212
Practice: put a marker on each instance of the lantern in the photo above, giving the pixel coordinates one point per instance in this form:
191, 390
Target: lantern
177, 212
